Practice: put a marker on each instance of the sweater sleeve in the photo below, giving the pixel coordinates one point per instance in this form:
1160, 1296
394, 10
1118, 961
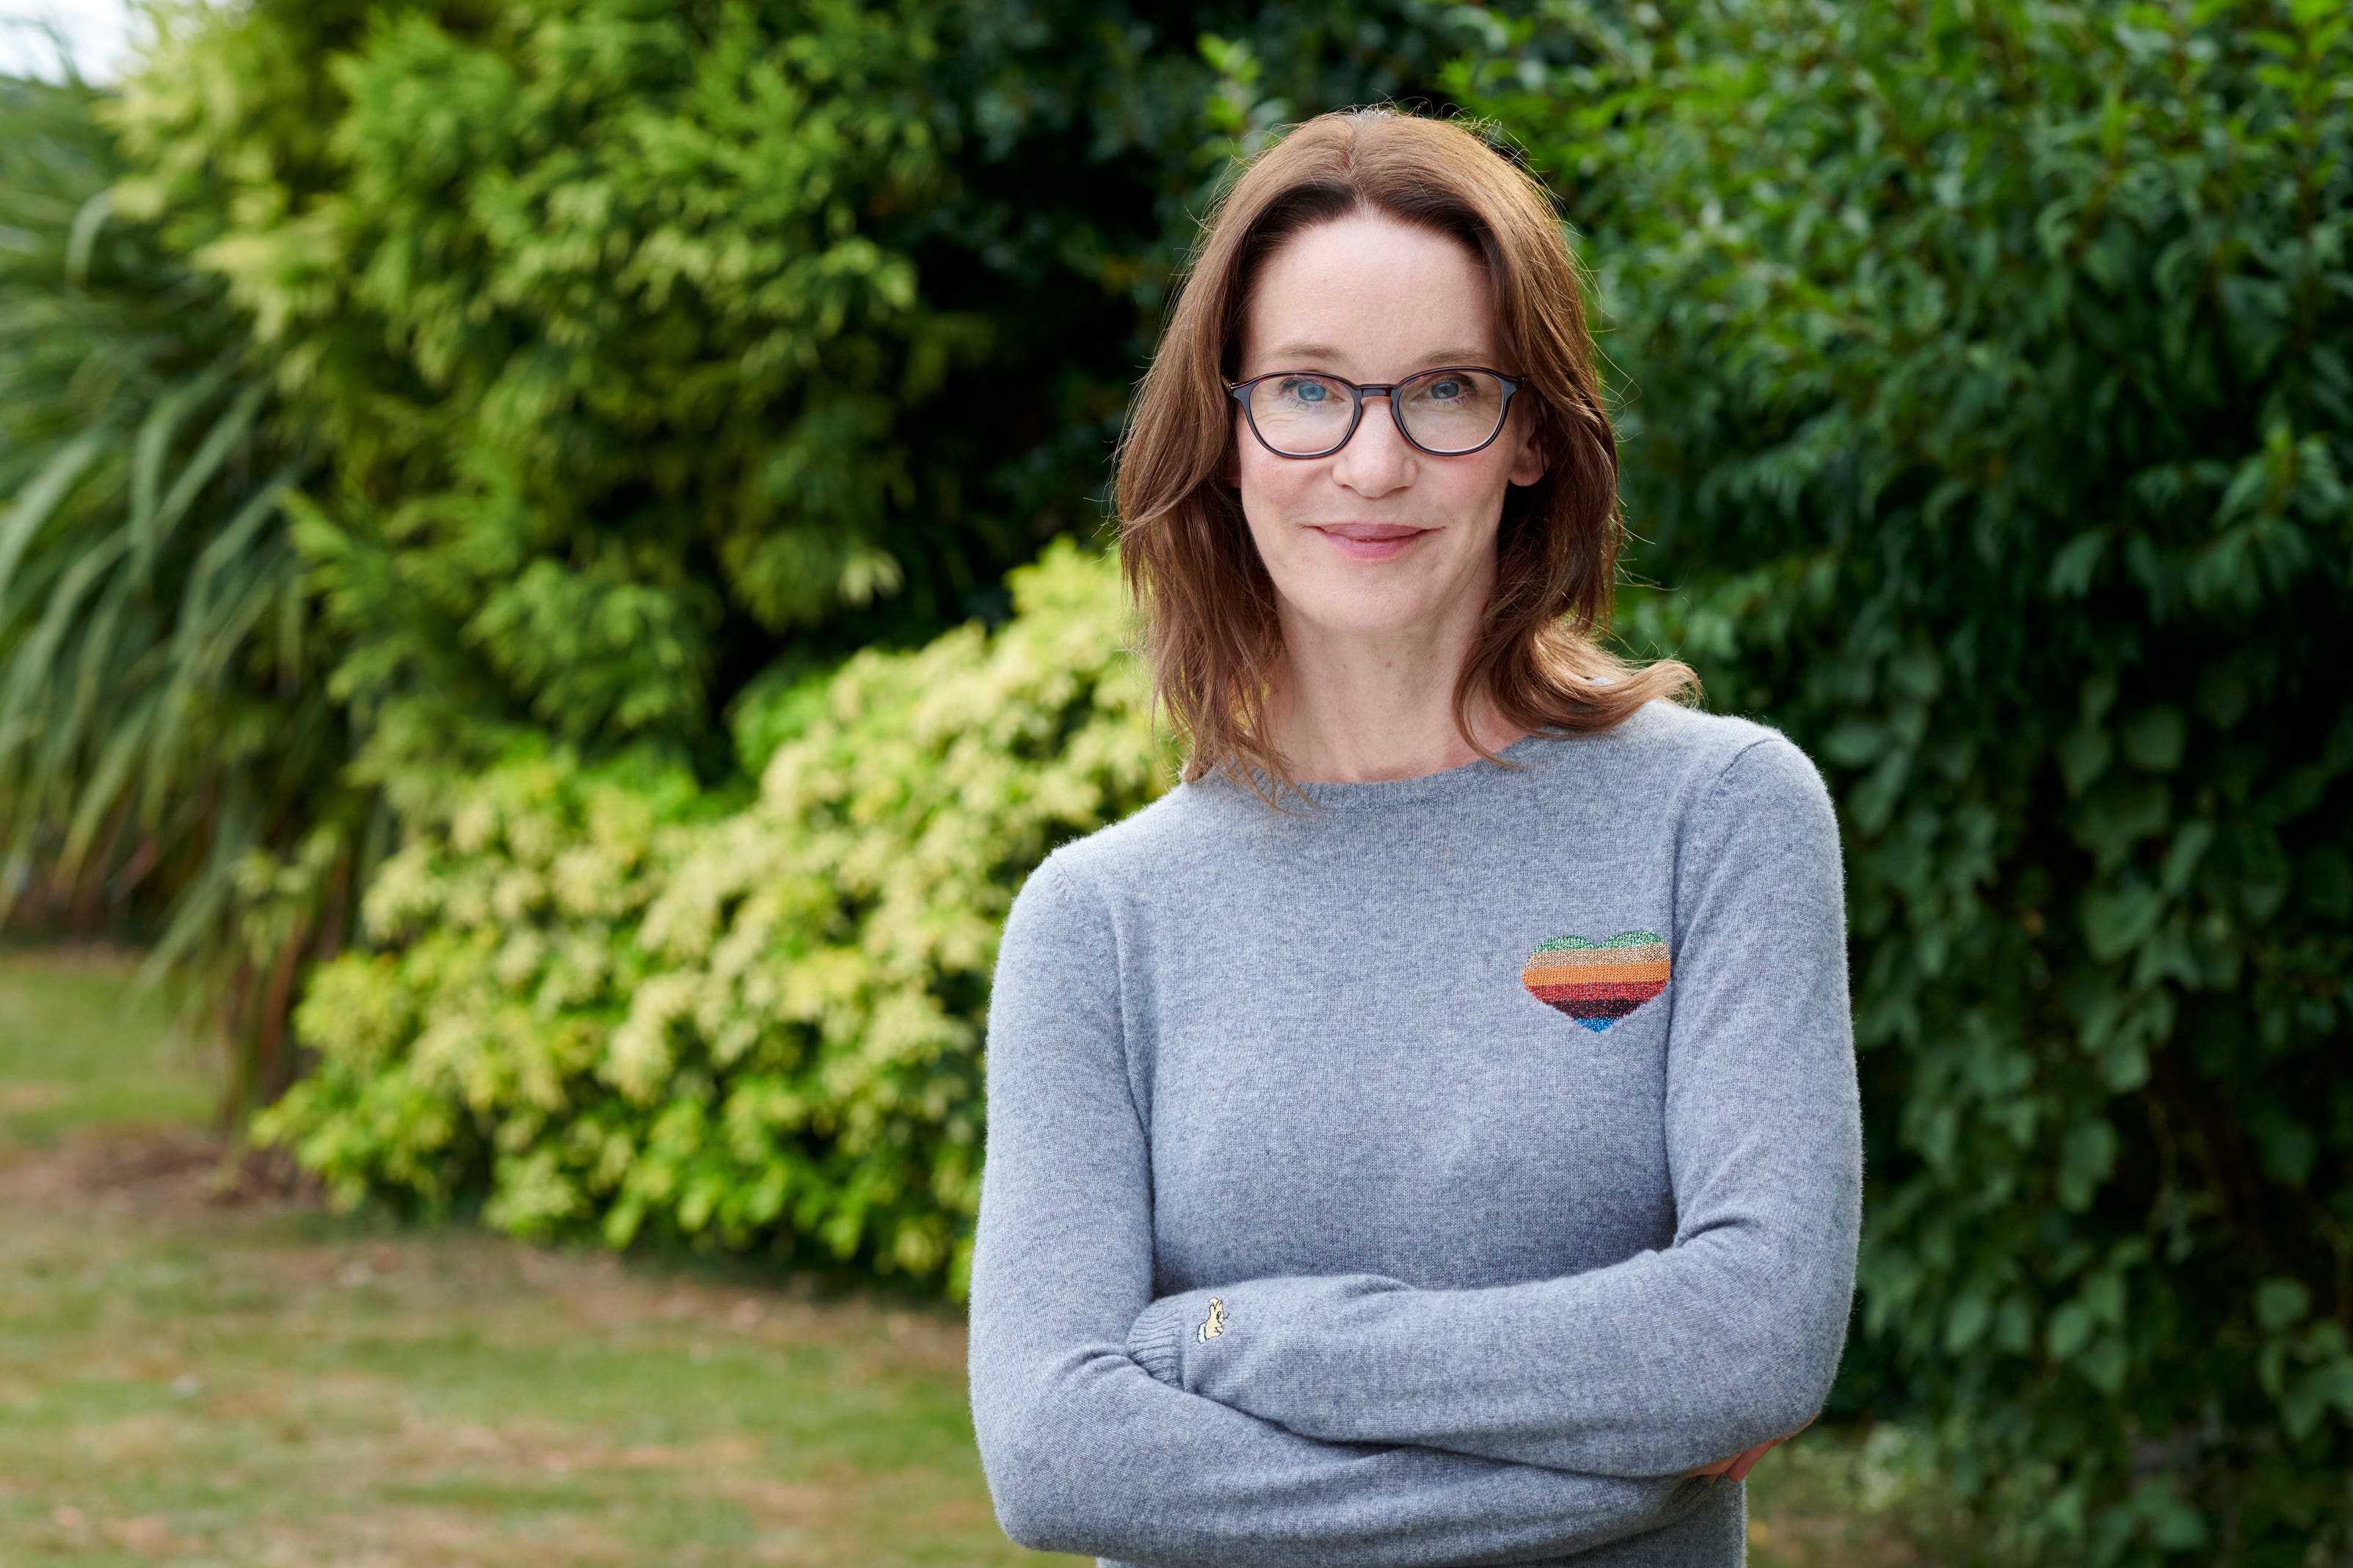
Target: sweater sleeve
1083, 1448
1671, 1358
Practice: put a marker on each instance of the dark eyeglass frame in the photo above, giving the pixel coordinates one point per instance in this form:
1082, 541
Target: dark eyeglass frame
1240, 390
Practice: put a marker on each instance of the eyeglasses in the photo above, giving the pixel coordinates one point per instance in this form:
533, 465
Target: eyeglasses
1448, 412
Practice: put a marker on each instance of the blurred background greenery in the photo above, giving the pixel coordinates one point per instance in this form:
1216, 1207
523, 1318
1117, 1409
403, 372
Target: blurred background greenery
549, 588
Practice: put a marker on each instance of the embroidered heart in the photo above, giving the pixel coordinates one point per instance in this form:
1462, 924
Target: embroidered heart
1598, 983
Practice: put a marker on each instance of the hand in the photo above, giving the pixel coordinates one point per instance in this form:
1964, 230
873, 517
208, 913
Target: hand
1740, 1463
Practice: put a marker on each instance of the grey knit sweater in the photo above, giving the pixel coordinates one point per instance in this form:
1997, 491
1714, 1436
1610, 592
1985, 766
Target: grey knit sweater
1430, 1178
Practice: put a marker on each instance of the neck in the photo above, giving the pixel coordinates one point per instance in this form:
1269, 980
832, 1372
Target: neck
1357, 707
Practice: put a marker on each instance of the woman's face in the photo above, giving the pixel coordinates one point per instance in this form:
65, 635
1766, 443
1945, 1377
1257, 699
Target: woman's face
1378, 537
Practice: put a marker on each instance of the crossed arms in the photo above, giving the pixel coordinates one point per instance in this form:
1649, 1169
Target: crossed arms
1361, 1421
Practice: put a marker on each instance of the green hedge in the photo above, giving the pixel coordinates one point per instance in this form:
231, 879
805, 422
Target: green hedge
604, 1004
1991, 425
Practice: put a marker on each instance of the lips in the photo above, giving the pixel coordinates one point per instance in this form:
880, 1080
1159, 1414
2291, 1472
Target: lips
1371, 541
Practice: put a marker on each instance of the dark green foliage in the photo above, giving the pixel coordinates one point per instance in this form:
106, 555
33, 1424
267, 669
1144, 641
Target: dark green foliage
1990, 423
168, 757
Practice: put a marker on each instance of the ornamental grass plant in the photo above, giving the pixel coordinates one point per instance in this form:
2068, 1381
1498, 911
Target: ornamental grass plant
170, 761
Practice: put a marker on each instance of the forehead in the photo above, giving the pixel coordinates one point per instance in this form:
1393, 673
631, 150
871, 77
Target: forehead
1369, 297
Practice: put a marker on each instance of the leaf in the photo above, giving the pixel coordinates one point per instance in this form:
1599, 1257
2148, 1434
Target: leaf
2315, 1394
1871, 803
1970, 1316
150, 450
2084, 754
2105, 1365
1854, 743
2153, 739
37, 501
2071, 568
2281, 1304
2090, 1154
2117, 920
2070, 1331
2191, 842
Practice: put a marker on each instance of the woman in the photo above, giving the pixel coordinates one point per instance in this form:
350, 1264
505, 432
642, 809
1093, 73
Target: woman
1461, 1163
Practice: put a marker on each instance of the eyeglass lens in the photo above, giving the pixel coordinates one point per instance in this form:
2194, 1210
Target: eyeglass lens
1444, 411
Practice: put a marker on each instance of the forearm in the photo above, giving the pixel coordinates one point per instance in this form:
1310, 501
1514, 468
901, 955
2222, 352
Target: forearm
1101, 1459
1649, 1368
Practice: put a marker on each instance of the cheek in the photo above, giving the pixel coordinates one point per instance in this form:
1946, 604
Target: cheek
1273, 489
1470, 490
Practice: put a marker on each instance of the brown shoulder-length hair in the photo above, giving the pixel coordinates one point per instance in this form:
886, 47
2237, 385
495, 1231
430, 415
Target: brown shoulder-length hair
1209, 630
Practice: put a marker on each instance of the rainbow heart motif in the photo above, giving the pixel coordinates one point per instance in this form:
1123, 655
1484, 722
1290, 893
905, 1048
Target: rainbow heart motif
1598, 983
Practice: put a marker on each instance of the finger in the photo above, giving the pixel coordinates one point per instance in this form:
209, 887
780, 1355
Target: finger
1746, 1460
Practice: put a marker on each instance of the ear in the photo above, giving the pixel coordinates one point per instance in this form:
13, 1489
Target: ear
1528, 463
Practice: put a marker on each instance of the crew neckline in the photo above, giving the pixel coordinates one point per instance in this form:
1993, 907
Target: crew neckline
1445, 783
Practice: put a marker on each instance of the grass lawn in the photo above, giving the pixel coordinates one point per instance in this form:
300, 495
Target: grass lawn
258, 1382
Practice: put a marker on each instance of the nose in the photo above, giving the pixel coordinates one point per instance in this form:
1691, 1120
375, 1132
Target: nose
1377, 460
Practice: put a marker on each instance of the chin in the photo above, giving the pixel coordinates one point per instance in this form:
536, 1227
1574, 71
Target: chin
1369, 610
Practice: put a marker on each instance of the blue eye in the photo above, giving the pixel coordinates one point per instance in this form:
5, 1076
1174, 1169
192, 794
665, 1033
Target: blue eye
1449, 387
1307, 391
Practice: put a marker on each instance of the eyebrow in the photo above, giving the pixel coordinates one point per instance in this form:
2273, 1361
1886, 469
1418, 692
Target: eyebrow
1460, 356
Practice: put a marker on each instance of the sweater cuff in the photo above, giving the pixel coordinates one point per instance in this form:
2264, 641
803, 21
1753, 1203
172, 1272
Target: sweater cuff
1157, 1340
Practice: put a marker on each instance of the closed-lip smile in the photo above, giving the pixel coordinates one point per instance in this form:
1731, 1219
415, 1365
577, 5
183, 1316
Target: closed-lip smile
1371, 541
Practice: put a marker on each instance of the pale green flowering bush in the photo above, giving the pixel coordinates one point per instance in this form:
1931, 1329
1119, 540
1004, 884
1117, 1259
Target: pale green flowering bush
603, 1002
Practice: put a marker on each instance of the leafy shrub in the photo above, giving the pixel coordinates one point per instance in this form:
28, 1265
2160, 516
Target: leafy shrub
648, 343
1991, 422
613, 1005
586, 304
